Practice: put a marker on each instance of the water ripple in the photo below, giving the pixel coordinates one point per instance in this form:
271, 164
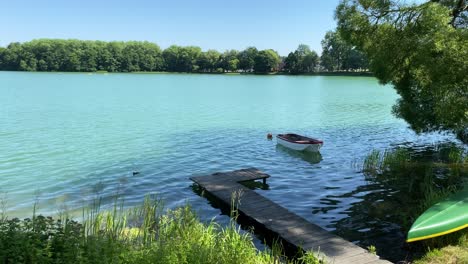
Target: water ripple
68, 141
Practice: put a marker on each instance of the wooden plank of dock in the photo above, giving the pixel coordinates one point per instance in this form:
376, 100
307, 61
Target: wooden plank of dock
290, 227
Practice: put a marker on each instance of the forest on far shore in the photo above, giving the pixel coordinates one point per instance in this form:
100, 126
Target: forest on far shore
134, 56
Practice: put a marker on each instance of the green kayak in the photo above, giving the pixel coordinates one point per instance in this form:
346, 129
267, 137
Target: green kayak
445, 217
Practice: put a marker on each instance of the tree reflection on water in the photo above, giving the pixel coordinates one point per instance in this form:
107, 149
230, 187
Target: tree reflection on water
402, 184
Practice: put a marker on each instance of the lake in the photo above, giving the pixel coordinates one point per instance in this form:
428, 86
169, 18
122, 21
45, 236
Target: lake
66, 138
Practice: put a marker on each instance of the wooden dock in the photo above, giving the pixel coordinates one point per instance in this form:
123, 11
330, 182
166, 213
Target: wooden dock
292, 228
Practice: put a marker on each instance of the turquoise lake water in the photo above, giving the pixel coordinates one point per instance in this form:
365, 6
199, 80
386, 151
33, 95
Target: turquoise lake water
67, 138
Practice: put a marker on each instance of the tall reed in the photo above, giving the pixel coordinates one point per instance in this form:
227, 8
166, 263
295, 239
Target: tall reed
418, 179
143, 234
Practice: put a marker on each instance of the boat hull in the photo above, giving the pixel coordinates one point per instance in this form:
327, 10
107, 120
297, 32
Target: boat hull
445, 217
299, 147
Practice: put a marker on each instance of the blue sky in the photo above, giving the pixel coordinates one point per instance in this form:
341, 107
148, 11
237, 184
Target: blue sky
278, 24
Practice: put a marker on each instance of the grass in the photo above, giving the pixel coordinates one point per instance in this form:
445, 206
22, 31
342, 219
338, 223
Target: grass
421, 179
372, 249
144, 234
425, 177
451, 254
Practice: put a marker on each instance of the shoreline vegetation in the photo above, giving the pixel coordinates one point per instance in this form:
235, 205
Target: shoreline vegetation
71, 55
143, 234
422, 178
342, 73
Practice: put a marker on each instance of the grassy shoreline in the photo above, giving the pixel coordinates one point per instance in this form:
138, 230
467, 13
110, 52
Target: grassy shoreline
144, 234
422, 179
148, 234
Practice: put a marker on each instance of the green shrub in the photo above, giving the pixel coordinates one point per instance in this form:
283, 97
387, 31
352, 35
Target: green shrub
140, 235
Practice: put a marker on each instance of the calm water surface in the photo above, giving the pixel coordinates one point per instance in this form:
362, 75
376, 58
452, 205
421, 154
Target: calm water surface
67, 138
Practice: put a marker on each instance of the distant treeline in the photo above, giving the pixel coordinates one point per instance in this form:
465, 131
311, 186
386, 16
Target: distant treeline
133, 56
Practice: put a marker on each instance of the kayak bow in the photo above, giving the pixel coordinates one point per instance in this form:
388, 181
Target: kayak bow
445, 217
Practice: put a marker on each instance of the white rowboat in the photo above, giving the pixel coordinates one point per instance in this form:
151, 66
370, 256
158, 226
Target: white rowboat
298, 142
